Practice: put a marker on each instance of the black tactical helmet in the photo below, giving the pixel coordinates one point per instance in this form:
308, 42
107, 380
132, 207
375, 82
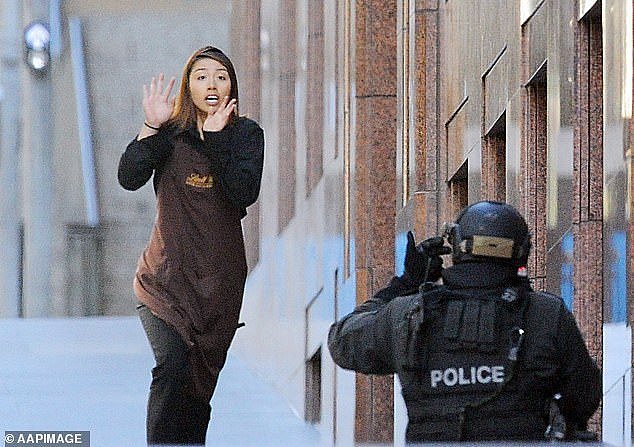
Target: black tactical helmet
489, 230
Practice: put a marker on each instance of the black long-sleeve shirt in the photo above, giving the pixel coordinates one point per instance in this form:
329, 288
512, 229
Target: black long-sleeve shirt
236, 154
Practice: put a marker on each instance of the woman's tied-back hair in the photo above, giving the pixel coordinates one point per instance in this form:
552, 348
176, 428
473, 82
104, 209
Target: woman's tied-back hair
184, 114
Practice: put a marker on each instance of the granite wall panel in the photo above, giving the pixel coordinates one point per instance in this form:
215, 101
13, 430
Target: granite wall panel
246, 15
375, 180
426, 94
286, 123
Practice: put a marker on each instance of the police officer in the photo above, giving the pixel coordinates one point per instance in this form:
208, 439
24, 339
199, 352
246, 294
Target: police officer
480, 356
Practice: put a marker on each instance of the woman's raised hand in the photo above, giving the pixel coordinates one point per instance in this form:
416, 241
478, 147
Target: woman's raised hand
157, 103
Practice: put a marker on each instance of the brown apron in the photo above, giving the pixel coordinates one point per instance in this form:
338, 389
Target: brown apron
192, 273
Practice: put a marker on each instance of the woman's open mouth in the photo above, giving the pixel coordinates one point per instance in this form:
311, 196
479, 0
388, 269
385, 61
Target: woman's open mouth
212, 100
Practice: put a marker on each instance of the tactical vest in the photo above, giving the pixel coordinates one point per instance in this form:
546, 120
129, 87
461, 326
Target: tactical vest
479, 364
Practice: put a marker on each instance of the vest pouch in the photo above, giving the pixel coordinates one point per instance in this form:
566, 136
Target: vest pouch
411, 350
470, 324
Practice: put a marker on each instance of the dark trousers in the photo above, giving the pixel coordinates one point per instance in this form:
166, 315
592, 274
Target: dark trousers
174, 415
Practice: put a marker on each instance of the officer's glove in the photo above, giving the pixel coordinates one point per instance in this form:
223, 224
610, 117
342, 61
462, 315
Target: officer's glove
423, 262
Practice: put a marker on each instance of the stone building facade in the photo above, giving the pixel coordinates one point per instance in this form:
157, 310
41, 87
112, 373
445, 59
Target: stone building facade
380, 116
384, 116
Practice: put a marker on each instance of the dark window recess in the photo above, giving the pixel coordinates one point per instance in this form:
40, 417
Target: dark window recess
313, 388
494, 161
459, 190
536, 174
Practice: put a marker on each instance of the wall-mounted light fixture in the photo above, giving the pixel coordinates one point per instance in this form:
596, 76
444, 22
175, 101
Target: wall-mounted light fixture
37, 40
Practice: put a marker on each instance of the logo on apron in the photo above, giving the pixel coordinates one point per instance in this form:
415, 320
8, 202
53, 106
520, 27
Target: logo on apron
200, 181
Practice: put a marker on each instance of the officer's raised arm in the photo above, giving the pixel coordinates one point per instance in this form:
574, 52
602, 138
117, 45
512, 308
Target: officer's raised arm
366, 339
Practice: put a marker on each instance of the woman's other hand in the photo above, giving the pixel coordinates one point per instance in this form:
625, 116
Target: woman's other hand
216, 121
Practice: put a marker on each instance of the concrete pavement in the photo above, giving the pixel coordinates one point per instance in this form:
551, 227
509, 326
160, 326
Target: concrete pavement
94, 374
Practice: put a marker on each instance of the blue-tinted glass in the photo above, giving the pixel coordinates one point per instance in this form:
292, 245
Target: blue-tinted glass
619, 305
567, 270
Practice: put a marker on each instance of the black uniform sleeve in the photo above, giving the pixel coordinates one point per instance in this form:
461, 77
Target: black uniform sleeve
365, 340
581, 382
237, 158
361, 341
398, 286
141, 158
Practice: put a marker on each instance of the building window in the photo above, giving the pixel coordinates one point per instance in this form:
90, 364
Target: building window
313, 388
455, 138
459, 190
457, 173
535, 170
494, 161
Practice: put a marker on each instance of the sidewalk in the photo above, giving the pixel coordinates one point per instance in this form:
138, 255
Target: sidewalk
94, 373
